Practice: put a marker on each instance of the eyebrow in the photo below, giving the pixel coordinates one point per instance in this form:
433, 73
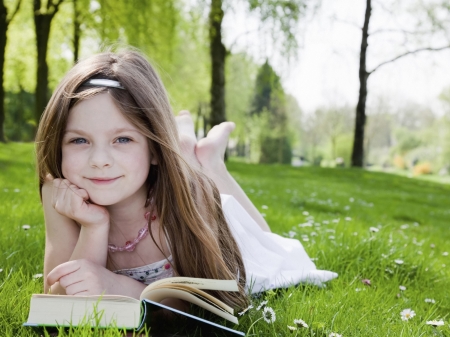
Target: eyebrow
115, 131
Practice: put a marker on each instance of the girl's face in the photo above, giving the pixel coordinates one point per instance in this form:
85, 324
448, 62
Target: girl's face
104, 153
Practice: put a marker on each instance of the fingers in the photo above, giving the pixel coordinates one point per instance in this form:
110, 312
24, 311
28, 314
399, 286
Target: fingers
62, 270
65, 195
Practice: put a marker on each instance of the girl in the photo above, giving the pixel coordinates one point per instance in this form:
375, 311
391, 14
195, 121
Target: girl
123, 207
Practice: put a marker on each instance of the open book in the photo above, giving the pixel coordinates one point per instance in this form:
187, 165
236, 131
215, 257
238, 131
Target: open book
129, 313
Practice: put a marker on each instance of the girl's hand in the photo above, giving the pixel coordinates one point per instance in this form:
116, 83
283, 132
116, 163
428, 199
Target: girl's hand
83, 277
71, 201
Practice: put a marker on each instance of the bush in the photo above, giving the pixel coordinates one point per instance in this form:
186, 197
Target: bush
275, 150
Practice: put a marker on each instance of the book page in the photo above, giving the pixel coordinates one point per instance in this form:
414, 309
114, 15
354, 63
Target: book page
199, 283
201, 294
157, 295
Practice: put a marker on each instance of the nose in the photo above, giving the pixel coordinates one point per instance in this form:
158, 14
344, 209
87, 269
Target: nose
100, 157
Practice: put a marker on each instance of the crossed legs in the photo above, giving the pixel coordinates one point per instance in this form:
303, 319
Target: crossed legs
208, 155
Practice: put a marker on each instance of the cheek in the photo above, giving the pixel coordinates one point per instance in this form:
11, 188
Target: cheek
140, 165
70, 165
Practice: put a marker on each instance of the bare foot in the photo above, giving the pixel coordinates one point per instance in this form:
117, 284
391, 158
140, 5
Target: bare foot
210, 150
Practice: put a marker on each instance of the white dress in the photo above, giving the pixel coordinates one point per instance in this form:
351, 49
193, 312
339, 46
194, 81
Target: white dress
270, 261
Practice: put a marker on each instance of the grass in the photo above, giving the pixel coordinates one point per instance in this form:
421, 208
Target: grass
330, 210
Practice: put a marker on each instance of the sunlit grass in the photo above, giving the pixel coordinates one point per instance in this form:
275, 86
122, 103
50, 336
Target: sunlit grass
331, 211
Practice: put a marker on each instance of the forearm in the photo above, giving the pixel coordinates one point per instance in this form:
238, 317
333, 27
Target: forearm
92, 245
126, 286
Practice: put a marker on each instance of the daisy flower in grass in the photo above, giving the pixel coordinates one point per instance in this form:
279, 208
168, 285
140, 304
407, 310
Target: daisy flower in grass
261, 305
398, 261
269, 315
245, 310
291, 328
334, 334
430, 300
436, 323
407, 314
402, 288
300, 323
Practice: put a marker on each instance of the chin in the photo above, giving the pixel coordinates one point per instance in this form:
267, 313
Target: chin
104, 200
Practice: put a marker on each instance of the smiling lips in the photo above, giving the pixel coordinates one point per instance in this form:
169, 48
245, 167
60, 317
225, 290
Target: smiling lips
103, 181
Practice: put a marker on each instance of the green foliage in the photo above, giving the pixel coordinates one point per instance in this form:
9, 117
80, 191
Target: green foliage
239, 90
407, 141
281, 16
275, 150
269, 99
411, 216
19, 122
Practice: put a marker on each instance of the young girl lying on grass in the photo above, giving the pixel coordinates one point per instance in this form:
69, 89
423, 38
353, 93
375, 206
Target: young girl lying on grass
130, 196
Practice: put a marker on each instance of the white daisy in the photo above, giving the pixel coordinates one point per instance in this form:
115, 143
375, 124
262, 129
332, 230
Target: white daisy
269, 315
265, 207
26, 227
436, 323
300, 323
334, 334
445, 254
36, 276
305, 213
398, 261
374, 229
430, 300
245, 310
291, 328
261, 305
407, 314
351, 199
402, 288
348, 219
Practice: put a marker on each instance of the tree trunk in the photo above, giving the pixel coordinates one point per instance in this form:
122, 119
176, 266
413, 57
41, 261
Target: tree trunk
42, 23
360, 121
3, 29
218, 53
76, 32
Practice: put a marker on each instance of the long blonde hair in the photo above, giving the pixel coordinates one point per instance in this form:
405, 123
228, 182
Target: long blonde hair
187, 202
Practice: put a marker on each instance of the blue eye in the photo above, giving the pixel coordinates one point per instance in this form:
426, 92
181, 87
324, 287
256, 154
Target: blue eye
123, 140
79, 141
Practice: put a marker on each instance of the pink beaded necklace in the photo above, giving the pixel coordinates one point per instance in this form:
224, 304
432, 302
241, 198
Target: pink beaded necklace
131, 245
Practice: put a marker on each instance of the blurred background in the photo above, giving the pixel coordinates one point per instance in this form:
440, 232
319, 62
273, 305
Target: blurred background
334, 83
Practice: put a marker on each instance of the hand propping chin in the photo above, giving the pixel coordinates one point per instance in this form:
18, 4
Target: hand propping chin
73, 202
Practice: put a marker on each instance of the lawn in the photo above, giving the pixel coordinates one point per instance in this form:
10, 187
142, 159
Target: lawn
390, 231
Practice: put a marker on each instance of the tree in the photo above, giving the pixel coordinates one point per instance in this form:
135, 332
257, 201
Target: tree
280, 14
5, 20
360, 120
269, 102
334, 122
43, 17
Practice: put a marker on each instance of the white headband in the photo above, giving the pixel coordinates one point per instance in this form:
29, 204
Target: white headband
103, 82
